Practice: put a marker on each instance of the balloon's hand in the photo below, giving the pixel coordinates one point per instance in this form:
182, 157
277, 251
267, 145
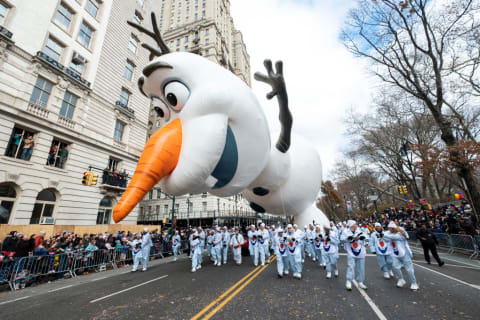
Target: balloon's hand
274, 79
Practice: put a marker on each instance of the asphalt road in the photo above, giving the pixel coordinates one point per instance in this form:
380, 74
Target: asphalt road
171, 291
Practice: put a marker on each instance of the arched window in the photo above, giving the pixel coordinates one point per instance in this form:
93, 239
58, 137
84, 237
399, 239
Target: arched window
104, 211
44, 206
8, 195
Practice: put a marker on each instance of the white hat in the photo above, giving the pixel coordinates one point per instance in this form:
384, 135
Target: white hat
279, 230
289, 226
392, 224
377, 224
145, 229
262, 224
351, 223
305, 227
295, 225
225, 228
327, 226
252, 225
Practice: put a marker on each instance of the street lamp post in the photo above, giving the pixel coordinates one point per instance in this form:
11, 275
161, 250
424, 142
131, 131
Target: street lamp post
172, 228
188, 212
406, 152
374, 197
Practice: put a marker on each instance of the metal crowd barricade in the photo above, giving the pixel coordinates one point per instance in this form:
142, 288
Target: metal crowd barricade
463, 242
99, 260
32, 268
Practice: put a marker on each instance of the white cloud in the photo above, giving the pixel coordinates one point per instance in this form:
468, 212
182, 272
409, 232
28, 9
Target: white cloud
323, 79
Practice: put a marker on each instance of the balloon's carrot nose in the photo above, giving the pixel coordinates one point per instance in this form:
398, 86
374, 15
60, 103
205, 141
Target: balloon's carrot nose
159, 158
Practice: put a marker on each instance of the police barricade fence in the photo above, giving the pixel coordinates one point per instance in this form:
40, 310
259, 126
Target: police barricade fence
19, 272
453, 242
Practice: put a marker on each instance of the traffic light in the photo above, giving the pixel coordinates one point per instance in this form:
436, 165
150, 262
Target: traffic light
93, 178
86, 178
404, 189
399, 189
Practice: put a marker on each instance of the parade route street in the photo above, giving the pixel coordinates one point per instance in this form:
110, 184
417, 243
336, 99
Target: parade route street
171, 291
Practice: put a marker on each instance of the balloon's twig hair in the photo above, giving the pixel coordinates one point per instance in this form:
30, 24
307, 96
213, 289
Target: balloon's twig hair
155, 35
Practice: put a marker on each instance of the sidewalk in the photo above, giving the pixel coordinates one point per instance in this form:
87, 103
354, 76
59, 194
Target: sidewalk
55, 285
444, 255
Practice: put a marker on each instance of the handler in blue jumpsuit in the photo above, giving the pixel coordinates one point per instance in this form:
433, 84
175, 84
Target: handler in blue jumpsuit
225, 244
176, 243
146, 246
280, 248
217, 247
382, 249
330, 250
317, 245
294, 248
401, 255
310, 236
354, 240
253, 244
195, 247
263, 247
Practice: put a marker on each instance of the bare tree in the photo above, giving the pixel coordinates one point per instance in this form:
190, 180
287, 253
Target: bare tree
410, 44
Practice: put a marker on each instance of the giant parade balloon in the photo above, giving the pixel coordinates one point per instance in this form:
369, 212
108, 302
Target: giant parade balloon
217, 140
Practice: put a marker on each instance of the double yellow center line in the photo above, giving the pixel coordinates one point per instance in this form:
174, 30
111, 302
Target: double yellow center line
229, 295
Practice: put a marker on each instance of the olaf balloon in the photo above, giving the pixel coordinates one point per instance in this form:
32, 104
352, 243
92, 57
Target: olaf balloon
217, 139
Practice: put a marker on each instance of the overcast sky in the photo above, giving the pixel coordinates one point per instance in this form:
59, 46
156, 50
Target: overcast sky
323, 79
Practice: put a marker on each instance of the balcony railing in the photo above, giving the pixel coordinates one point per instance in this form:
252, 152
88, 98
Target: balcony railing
119, 105
6, 33
66, 122
37, 108
73, 75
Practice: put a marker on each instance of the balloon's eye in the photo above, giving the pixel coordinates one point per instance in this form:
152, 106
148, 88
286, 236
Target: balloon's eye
176, 94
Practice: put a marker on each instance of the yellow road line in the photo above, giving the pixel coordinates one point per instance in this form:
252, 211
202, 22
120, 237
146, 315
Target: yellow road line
220, 306
224, 294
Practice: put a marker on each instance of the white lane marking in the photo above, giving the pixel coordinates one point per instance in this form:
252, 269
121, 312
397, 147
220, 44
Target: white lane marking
367, 255
450, 265
420, 252
22, 298
53, 290
101, 278
449, 277
124, 290
372, 304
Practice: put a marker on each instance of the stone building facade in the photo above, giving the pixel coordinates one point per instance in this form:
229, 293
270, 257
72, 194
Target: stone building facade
68, 71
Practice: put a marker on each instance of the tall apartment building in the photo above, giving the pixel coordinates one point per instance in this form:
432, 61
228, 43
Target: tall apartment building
203, 27
69, 102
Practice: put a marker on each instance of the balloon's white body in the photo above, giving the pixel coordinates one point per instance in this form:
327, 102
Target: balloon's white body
219, 111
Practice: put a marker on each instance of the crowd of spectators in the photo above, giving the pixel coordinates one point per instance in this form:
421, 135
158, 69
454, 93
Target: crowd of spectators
61, 247
449, 219
115, 177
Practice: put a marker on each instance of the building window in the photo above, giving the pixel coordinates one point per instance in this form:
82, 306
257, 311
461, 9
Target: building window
113, 164
8, 196
124, 97
196, 16
159, 194
119, 128
203, 5
20, 144
150, 195
44, 206
203, 13
204, 206
165, 209
41, 92
85, 34
171, 44
104, 211
128, 73
157, 210
140, 215
206, 52
77, 67
137, 17
196, 34
133, 44
186, 48
58, 154
206, 42
186, 39
92, 7
53, 49
178, 42
3, 12
206, 32
68, 105
140, 3
63, 16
